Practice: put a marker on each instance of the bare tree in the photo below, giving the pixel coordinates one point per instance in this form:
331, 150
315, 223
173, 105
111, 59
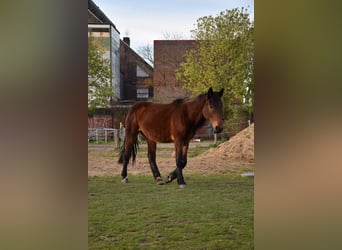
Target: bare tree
174, 36
146, 52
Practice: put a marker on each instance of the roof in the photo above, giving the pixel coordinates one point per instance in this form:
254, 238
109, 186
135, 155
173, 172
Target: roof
98, 13
137, 56
174, 42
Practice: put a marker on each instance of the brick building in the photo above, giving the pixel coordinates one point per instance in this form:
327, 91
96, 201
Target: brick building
168, 55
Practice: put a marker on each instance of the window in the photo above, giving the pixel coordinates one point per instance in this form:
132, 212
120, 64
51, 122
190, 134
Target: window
142, 94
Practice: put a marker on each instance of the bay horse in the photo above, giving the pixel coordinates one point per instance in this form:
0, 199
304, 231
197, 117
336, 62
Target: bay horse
174, 122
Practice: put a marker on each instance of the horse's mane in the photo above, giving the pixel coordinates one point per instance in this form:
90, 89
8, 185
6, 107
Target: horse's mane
201, 95
181, 100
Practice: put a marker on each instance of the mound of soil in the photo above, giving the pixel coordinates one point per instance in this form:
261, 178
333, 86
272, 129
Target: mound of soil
239, 149
231, 155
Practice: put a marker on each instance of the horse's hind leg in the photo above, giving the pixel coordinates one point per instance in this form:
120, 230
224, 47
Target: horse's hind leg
152, 146
127, 152
126, 155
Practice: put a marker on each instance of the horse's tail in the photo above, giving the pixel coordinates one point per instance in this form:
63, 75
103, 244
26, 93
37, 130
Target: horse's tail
122, 153
133, 152
131, 135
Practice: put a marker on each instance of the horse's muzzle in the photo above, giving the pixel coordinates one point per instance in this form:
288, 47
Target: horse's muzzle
218, 129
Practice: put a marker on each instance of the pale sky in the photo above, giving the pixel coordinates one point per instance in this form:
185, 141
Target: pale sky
145, 21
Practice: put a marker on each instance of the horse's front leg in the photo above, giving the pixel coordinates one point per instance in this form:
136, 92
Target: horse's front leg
181, 163
172, 176
181, 160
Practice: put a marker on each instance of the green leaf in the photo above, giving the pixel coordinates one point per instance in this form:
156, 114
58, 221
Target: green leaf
223, 59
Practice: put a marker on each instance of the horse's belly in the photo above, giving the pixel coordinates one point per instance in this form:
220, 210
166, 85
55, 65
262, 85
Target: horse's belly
155, 125
158, 135
162, 138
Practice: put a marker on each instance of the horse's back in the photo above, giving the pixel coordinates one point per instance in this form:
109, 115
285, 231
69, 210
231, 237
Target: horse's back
154, 120
155, 111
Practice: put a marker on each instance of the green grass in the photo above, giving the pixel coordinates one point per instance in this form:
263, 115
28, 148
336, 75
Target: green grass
213, 212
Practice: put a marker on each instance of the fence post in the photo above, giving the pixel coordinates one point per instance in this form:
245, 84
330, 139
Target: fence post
105, 135
116, 138
121, 133
215, 138
96, 135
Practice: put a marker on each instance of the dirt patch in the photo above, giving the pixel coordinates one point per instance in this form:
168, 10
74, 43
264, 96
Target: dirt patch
235, 155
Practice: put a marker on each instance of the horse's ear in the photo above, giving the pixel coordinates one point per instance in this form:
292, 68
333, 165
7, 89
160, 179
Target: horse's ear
210, 92
221, 92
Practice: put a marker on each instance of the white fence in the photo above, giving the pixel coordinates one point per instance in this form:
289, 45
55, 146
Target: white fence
105, 135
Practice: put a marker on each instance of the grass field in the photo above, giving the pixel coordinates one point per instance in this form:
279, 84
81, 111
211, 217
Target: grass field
213, 212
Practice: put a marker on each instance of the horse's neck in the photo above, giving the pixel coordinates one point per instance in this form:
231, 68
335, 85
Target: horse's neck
195, 110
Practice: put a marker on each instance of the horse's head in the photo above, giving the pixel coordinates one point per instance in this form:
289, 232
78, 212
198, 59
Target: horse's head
212, 110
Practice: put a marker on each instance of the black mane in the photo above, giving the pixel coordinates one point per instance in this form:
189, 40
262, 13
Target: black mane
179, 100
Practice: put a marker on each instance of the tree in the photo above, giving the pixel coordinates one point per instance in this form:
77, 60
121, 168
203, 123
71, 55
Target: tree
146, 52
223, 58
100, 89
174, 36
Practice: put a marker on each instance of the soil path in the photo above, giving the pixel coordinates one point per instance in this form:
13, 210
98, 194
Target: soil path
234, 155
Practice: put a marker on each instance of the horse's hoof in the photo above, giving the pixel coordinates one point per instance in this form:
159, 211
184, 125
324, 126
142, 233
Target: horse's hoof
125, 180
160, 181
169, 179
182, 186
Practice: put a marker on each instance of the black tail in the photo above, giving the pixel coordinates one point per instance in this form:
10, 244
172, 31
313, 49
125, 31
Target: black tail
120, 161
133, 155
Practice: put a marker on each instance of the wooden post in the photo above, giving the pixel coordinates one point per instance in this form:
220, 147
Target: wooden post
116, 138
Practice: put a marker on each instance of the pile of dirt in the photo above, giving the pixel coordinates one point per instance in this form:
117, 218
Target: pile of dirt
232, 155
238, 149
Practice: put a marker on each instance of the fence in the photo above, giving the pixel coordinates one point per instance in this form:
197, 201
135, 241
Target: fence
106, 135
117, 135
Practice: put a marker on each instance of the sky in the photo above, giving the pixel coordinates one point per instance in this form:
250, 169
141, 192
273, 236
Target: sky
148, 20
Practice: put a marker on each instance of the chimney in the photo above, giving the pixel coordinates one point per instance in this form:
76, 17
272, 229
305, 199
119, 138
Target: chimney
127, 41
